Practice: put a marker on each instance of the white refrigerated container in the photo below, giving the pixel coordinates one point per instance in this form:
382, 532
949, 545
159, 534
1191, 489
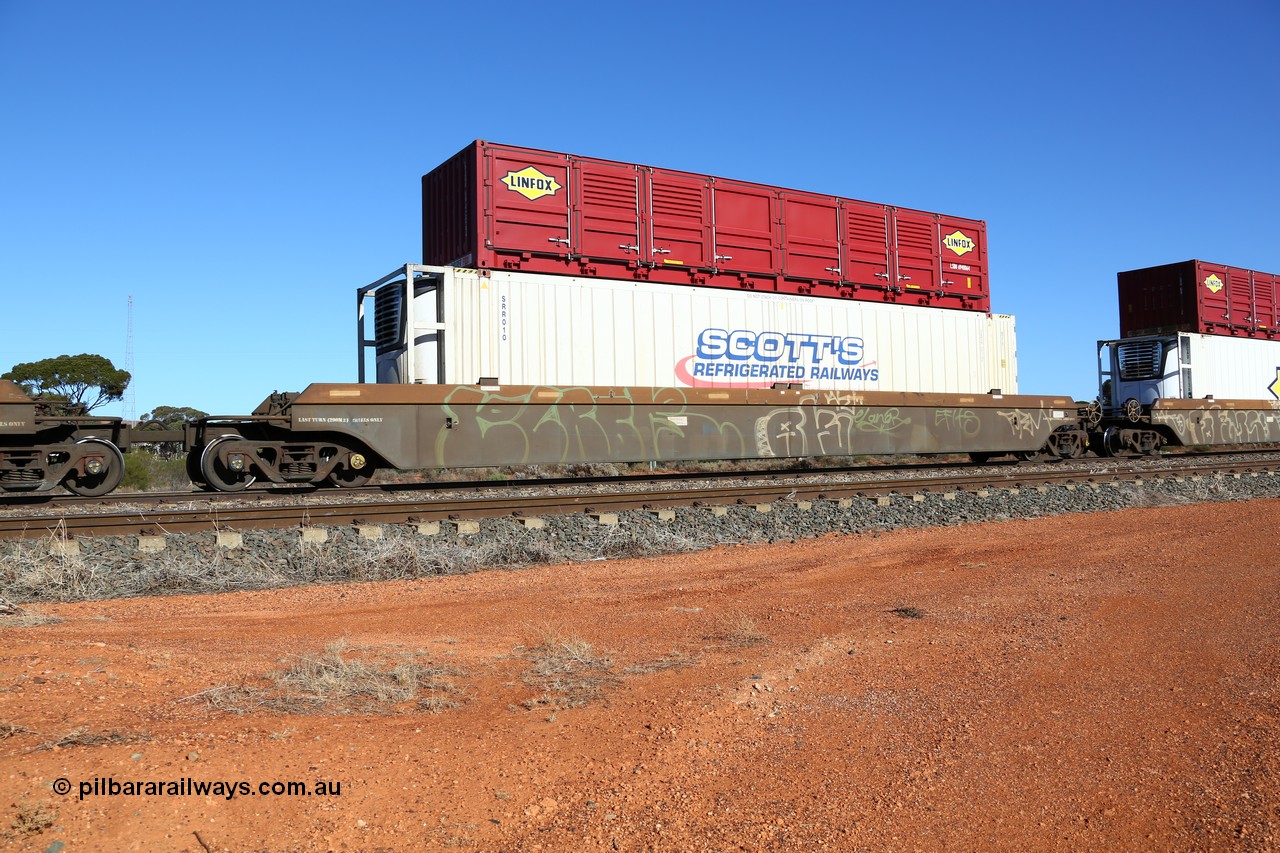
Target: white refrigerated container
517, 328
1185, 365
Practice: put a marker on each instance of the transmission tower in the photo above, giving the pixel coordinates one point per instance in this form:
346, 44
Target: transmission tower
130, 406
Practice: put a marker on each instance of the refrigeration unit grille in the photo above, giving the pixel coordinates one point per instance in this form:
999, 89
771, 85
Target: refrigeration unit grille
1141, 360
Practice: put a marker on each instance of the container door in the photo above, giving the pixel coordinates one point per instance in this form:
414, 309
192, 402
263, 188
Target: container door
916, 243
1264, 295
744, 219
606, 202
679, 224
526, 202
964, 260
1240, 297
866, 243
810, 236
1211, 293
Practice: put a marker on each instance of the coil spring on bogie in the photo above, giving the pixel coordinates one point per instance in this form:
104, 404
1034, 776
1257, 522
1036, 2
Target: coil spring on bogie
293, 468
21, 475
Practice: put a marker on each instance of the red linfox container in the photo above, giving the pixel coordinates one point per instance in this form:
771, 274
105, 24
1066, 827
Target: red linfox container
1200, 297
500, 207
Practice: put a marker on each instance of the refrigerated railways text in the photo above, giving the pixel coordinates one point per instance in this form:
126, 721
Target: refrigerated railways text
780, 372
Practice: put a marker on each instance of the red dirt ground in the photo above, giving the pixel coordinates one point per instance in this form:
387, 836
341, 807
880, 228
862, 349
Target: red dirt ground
1106, 681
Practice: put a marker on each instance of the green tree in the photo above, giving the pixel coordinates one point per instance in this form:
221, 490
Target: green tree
73, 382
171, 417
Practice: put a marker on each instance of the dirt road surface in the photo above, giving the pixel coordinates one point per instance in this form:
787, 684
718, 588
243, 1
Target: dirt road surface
1103, 681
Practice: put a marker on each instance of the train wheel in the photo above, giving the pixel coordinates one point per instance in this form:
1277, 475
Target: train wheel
217, 475
356, 472
106, 475
1112, 444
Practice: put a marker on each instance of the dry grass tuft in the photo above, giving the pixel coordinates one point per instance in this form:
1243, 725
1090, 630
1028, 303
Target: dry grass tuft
738, 630
26, 618
565, 671
341, 682
8, 730
673, 660
83, 737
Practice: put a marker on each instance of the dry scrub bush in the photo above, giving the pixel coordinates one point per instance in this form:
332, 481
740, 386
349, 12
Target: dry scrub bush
31, 819
29, 572
622, 542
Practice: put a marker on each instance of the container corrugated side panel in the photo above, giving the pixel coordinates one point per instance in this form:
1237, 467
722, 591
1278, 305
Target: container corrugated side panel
538, 329
1233, 368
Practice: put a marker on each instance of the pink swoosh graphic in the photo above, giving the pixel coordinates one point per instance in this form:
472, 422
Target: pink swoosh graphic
683, 375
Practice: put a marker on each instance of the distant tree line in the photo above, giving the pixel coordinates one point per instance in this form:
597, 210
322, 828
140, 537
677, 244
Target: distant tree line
78, 384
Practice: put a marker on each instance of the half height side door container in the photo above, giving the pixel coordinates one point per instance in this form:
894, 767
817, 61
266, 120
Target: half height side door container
501, 207
1200, 297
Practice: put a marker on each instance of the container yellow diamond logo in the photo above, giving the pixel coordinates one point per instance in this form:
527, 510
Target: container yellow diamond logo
958, 242
1214, 283
531, 183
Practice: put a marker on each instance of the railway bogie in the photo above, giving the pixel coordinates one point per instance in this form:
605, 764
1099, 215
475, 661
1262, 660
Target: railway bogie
229, 456
40, 451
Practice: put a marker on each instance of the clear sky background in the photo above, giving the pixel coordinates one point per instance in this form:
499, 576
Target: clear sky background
240, 168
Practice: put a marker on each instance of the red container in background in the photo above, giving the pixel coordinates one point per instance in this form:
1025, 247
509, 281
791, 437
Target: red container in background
500, 207
1200, 297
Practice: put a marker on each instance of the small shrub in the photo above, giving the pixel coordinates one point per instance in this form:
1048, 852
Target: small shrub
146, 472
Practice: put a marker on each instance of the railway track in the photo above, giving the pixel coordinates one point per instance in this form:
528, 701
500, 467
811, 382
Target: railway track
300, 508
57, 501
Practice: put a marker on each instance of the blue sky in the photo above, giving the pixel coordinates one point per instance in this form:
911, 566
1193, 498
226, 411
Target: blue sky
240, 168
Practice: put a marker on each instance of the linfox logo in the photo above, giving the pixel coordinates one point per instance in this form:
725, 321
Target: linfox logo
531, 183
958, 242
1214, 283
